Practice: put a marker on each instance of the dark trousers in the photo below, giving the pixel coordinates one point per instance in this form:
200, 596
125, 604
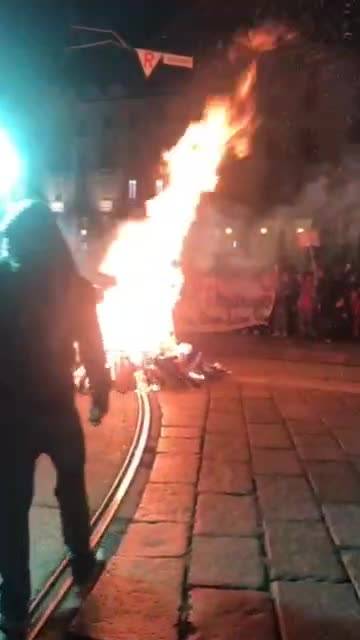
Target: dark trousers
25, 438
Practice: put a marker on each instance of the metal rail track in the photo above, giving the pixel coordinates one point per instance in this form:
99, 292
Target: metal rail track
44, 605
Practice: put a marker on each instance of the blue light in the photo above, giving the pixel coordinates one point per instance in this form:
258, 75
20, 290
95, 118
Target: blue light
10, 165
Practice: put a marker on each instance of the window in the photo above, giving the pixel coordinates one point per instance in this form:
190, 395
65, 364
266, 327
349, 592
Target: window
132, 189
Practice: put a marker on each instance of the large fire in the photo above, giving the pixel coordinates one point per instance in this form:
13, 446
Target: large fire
136, 316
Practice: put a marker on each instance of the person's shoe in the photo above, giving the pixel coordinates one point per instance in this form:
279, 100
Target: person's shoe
86, 573
13, 629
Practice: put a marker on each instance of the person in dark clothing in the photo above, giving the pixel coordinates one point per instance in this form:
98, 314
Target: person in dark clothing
355, 309
281, 309
326, 305
46, 306
306, 305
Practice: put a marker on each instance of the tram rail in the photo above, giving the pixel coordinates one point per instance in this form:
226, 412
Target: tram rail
60, 583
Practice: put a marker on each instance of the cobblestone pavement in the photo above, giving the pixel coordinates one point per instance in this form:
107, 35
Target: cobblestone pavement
107, 447
249, 526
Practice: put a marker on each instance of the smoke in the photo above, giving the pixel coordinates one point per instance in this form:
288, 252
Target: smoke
331, 200
305, 110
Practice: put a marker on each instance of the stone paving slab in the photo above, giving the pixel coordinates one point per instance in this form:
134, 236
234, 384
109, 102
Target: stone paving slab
319, 448
307, 427
352, 402
156, 540
269, 436
181, 432
223, 423
224, 389
275, 462
320, 400
231, 615
226, 562
166, 503
187, 409
261, 410
356, 462
334, 481
226, 403
349, 440
291, 405
341, 419
323, 405
136, 598
301, 550
255, 390
343, 521
46, 544
170, 467
233, 477
319, 611
223, 515
186, 418
351, 560
178, 445
226, 448
286, 498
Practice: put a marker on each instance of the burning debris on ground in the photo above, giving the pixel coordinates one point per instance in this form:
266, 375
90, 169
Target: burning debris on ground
185, 368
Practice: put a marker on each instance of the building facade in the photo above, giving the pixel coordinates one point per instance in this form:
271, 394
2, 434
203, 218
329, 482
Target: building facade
106, 151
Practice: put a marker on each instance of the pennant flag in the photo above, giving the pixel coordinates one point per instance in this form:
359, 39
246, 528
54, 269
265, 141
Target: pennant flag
178, 61
149, 60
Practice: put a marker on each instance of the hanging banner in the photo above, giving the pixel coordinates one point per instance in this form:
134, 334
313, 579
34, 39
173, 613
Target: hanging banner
218, 302
148, 60
178, 61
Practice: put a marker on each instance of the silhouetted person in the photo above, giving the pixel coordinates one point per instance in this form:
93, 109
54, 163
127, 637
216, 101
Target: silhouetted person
306, 305
281, 309
45, 306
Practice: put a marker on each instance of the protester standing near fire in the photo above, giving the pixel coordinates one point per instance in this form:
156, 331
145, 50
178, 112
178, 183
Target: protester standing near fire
45, 306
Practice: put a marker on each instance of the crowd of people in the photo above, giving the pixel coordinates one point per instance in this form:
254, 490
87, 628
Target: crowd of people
322, 302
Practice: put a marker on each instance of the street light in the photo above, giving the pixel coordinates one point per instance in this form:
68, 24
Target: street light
10, 165
106, 205
57, 206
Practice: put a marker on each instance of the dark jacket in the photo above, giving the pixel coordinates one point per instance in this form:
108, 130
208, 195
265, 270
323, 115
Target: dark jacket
45, 306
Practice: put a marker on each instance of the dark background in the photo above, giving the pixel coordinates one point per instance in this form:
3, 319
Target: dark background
34, 33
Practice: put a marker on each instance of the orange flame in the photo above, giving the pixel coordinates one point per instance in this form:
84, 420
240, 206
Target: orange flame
270, 37
267, 38
136, 316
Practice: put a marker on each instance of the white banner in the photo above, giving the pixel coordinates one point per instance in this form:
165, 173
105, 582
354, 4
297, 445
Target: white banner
224, 302
178, 61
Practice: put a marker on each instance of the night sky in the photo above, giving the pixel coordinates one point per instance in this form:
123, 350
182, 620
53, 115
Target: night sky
36, 31
34, 34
